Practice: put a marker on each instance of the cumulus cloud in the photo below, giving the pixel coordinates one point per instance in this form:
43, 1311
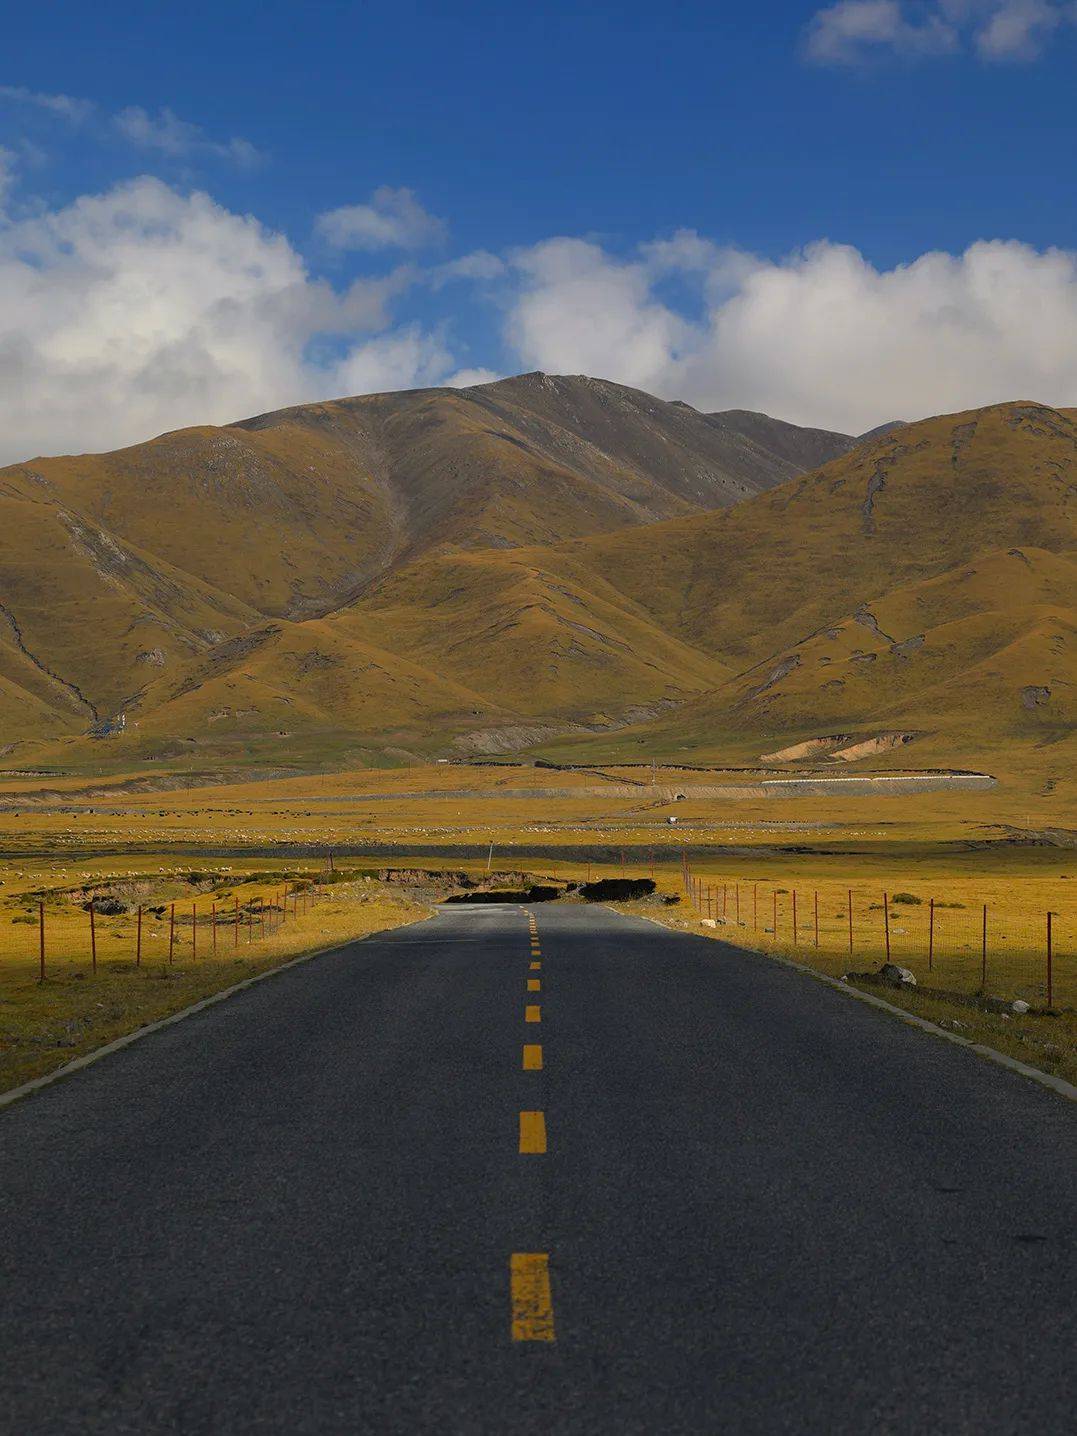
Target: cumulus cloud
166, 133
579, 310
852, 31
468, 378
822, 337
393, 219
144, 309
406, 358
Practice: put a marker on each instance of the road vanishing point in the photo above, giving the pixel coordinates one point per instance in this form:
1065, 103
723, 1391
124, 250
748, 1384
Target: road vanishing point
548, 1171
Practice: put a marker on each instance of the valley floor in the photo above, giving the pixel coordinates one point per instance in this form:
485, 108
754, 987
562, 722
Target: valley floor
763, 867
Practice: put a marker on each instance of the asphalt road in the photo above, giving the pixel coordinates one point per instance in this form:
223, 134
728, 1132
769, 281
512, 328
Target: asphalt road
763, 1207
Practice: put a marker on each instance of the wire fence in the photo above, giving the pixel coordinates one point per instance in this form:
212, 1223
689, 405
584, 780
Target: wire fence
94, 935
1009, 948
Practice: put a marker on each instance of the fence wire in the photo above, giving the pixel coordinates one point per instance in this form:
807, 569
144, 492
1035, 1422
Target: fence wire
46, 934
1011, 948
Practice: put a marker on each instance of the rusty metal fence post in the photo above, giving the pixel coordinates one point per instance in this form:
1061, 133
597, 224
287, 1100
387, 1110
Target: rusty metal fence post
886, 923
983, 953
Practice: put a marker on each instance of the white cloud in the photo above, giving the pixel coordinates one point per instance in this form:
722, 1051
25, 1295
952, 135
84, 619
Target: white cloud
468, 378
144, 309
820, 338
846, 33
479, 265
7, 176
407, 358
68, 107
394, 219
852, 31
578, 310
1019, 29
166, 133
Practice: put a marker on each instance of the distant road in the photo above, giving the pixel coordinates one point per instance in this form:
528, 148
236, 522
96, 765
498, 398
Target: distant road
695, 1192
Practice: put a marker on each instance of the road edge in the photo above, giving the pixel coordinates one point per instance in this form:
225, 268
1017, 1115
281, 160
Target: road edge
69, 1069
1058, 1085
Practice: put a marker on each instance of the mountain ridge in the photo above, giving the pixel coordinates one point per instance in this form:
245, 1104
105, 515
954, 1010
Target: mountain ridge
385, 575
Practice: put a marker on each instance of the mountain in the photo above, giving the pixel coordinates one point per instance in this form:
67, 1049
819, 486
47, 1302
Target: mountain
182, 582
794, 450
922, 586
541, 457
545, 564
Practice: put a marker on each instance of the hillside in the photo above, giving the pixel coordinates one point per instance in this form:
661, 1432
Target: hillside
926, 583
443, 573
130, 581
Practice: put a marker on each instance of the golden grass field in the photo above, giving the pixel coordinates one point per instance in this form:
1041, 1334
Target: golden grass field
136, 837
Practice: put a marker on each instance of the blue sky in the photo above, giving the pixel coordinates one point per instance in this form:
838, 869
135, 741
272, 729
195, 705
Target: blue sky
729, 203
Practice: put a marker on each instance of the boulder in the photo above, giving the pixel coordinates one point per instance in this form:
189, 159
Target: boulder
1019, 1006
896, 976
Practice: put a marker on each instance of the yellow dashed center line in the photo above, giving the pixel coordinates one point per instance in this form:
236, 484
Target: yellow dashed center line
532, 1301
532, 1133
